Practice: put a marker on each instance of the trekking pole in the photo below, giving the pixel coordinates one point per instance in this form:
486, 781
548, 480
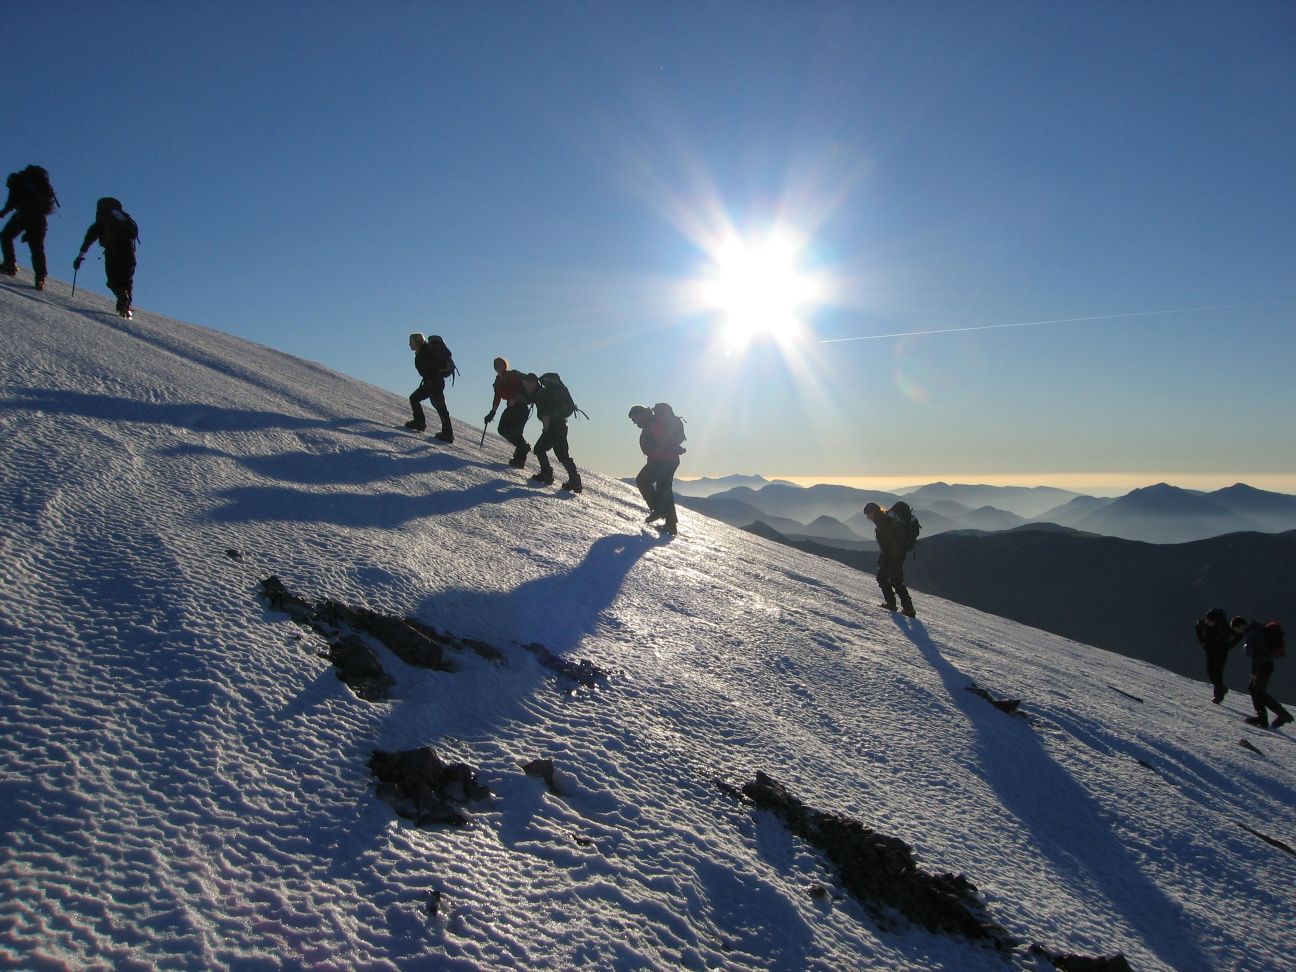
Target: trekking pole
75, 270
482, 444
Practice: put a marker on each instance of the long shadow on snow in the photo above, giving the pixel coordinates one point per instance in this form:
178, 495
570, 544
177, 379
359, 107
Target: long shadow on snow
259, 504
163, 337
354, 467
557, 610
1067, 826
186, 415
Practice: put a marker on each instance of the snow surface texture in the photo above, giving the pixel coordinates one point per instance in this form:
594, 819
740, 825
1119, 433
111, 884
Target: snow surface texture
183, 780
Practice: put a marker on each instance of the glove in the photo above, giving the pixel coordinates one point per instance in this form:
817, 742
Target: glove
490, 417
76, 264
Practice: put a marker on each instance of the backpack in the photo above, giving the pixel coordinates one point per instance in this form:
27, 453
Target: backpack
674, 425
32, 190
444, 359
564, 406
1274, 640
907, 526
116, 228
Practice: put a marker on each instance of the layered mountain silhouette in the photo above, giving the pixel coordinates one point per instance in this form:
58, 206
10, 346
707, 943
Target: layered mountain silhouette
1157, 514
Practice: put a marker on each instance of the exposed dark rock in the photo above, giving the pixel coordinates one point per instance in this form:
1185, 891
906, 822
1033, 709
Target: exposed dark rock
1083, 963
1126, 694
408, 643
410, 640
1009, 706
1272, 841
880, 870
1247, 744
728, 789
481, 648
359, 669
582, 672
423, 788
433, 902
233, 554
543, 768
881, 873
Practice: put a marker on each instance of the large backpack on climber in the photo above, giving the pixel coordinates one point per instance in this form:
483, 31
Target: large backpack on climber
443, 360
563, 405
907, 526
30, 189
673, 424
116, 228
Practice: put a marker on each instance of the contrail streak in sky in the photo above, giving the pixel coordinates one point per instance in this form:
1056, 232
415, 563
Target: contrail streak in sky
991, 327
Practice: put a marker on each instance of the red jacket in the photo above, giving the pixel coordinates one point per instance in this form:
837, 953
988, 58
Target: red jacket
508, 388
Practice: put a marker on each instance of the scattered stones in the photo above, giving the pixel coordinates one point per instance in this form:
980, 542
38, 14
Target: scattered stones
582, 672
1009, 706
413, 642
880, 870
423, 788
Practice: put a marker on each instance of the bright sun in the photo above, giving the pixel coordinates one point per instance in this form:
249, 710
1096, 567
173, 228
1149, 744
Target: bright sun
758, 289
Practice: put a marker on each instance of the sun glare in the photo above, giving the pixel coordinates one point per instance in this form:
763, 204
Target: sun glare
758, 290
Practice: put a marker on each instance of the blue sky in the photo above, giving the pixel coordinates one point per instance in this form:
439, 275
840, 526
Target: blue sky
549, 181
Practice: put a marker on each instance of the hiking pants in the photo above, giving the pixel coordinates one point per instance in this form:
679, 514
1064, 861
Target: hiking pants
119, 265
890, 578
511, 424
555, 438
1260, 697
656, 485
432, 389
32, 226
1216, 656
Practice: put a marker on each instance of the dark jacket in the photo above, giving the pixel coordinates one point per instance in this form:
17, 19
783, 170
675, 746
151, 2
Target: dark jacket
884, 529
1256, 645
1218, 636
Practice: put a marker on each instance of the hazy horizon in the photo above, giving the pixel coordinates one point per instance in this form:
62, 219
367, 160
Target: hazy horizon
1097, 484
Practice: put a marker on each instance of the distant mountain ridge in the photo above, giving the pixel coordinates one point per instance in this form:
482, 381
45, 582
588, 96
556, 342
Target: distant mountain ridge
1155, 514
706, 486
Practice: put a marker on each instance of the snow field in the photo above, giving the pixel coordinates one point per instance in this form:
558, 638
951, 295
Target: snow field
184, 779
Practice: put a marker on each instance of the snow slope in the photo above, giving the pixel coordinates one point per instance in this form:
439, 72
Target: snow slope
183, 781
